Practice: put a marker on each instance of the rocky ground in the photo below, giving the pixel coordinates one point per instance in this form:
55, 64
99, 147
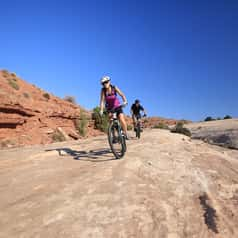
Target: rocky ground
220, 132
167, 185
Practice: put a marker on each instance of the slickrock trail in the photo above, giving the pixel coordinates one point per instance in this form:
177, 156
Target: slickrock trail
166, 186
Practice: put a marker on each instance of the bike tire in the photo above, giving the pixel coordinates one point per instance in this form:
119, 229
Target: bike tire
121, 140
138, 131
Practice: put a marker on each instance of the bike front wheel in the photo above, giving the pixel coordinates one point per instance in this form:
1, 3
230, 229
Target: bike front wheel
116, 140
138, 131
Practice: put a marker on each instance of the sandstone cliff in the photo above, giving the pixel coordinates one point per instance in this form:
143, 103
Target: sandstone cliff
29, 115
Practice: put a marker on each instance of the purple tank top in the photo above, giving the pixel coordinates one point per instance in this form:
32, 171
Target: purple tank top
112, 100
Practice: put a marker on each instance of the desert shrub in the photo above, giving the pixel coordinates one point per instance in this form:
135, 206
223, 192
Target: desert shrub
5, 73
184, 121
26, 95
57, 136
46, 95
3, 144
209, 119
13, 75
218, 118
13, 84
70, 99
180, 129
129, 127
101, 122
82, 124
161, 125
227, 117
7, 143
179, 124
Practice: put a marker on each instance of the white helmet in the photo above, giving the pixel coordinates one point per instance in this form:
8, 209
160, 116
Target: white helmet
105, 79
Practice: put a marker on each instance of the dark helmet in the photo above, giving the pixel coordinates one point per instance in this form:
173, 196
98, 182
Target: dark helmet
137, 101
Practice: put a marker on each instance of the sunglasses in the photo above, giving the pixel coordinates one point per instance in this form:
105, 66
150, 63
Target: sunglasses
106, 82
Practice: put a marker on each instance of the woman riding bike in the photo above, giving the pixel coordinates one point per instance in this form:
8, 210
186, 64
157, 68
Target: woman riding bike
110, 100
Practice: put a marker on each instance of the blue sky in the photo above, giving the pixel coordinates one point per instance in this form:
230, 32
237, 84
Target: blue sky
180, 57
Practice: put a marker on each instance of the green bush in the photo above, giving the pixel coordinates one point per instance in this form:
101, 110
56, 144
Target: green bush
46, 95
101, 122
82, 124
227, 117
161, 125
209, 119
13, 84
129, 127
180, 129
70, 99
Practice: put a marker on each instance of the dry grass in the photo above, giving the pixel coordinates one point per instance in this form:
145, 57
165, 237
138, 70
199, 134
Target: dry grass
129, 127
180, 129
7, 143
13, 83
26, 95
57, 136
161, 125
70, 99
13, 75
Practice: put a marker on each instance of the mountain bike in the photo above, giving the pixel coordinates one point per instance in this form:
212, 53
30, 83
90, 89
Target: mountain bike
116, 138
138, 127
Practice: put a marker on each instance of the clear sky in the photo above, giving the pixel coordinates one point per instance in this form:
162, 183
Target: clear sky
180, 57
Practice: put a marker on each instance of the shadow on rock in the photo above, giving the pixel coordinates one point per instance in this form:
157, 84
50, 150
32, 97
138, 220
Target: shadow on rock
92, 155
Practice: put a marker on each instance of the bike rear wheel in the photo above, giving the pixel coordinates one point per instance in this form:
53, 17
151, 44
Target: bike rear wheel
116, 140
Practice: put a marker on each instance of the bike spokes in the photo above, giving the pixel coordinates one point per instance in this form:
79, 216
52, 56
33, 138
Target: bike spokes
116, 141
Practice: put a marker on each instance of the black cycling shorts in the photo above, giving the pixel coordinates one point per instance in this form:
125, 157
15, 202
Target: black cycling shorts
137, 116
118, 111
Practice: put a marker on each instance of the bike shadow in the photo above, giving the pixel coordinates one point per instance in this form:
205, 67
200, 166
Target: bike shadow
91, 155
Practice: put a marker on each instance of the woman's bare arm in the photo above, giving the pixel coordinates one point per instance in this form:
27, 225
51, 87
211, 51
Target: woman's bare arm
121, 94
102, 101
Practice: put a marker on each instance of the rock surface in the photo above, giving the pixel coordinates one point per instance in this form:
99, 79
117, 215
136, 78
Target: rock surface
167, 185
221, 132
28, 114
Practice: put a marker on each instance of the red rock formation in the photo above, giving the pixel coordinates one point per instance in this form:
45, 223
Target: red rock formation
29, 115
151, 122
